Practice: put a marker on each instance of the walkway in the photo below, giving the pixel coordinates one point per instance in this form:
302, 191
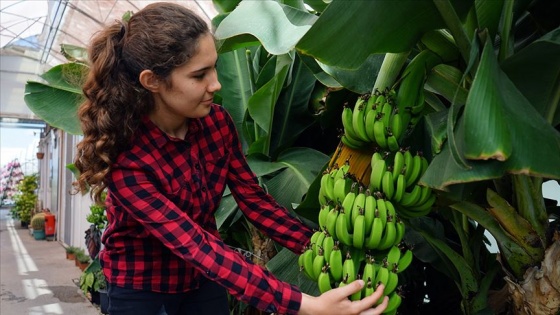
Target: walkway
35, 276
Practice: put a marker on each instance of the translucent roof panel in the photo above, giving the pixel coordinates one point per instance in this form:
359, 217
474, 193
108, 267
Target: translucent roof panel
32, 32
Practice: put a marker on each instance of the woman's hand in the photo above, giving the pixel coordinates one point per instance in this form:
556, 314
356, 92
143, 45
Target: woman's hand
336, 302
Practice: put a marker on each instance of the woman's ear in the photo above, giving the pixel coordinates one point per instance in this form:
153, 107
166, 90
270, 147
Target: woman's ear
149, 80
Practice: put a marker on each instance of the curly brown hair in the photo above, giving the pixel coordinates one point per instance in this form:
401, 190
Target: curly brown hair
160, 37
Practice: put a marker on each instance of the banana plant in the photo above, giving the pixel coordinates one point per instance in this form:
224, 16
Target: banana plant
492, 121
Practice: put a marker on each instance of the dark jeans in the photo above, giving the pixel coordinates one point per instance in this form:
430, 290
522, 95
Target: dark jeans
210, 298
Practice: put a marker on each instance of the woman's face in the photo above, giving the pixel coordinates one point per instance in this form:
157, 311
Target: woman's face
192, 85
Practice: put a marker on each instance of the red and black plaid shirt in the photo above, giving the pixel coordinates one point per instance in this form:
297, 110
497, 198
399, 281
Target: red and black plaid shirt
162, 235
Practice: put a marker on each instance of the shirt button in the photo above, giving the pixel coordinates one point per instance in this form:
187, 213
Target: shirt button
197, 166
204, 189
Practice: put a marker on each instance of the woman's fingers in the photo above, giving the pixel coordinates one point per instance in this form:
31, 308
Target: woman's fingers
347, 290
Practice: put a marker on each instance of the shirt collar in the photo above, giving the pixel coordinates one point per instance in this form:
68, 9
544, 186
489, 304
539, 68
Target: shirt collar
160, 138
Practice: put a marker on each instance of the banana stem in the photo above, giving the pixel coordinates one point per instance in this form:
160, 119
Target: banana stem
455, 27
530, 204
390, 69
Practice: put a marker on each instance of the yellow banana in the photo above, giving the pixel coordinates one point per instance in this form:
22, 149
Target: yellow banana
324, 280
405, 260
369, 211
358, 120
335, 263
374, 238
387, 184
359, 230
380, 132
341, 229
377, 172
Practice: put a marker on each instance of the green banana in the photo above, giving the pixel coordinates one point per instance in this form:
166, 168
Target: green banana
327, 181
368, 288
389, 235
335, 263
359, 230
319, 243
382, 275
377, 172
322, 218
375, 157
396, 125
405, 260
392, 283
380, 132
359, 203
393, 255
324, 280
331, 219
328, 245
414, 175
411, 198
408, 161
425, 208
352, 143
392, 142
400, 227
348, 269
370, 118
369, 211
386, 112
341, 229
382, 211
398, 164
348, 203
358, 120
425, 194
347, 122
357, 295
395, 301
368, 273
318, 263
400, 188
313, 239
374, 238
387, 184
307, 263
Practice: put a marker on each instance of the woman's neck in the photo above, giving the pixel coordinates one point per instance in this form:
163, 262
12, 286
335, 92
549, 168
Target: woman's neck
176, 127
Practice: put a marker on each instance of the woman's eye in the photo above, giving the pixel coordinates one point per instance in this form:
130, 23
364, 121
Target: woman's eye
199, 77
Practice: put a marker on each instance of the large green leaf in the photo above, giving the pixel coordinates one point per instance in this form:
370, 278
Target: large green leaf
369, 27
360, 80
57, 99
486, 126
535, 71
278, 27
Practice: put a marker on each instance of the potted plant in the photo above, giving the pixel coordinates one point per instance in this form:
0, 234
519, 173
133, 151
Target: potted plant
71, 252
25, 199
38, 225
98, 220
94, 285
40, 155
83, 260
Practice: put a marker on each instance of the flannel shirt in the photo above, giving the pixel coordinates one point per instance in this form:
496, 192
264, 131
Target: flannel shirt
162, 235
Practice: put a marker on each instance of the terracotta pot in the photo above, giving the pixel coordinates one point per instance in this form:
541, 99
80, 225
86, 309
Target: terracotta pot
40, 155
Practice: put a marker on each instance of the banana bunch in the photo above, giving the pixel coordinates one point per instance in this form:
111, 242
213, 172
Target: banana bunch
335, 184
373, 119
399, 182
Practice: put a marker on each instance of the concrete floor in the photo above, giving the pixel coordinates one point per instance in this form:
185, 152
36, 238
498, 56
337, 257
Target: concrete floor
35, 276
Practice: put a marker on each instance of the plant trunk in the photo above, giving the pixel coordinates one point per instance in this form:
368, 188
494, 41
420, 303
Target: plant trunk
539, 292
263, 247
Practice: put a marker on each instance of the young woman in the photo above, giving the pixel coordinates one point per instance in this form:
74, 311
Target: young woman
165, 152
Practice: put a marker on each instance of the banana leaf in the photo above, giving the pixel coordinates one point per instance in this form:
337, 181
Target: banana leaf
257, 22
364, 26
56, 100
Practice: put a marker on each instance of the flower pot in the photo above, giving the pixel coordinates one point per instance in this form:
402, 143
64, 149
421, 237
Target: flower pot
95, 297
39, 234
40, 155
70, 256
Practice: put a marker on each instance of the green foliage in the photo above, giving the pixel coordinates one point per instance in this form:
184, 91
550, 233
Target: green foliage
71, 249
92, 278
25, 198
